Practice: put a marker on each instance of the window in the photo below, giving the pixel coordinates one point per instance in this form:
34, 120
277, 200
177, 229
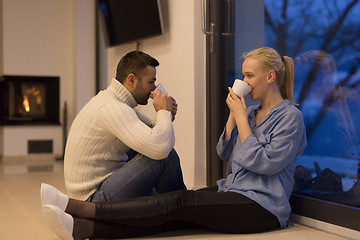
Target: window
324, 42
323, 38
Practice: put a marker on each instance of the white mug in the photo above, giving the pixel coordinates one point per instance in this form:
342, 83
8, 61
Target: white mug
161, 88
240, 87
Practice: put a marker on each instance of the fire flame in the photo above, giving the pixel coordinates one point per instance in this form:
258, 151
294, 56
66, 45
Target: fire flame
26, 104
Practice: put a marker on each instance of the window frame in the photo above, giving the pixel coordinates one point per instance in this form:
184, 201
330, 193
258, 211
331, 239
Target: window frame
326, 211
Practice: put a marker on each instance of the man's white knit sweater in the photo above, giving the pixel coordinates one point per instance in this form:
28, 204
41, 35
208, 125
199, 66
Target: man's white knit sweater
103, 132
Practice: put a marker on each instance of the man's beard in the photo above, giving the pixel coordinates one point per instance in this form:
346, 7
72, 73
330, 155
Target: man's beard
143, 100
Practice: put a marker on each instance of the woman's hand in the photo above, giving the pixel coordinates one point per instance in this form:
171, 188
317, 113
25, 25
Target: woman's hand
230, 124
238, 111
236, 105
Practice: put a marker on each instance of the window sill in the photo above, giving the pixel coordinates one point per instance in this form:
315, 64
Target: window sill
329, 212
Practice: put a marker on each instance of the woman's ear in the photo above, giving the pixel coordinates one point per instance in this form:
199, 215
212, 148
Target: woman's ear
271, 76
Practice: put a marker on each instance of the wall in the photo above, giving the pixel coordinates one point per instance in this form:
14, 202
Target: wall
85, 53
180, 51
58, 41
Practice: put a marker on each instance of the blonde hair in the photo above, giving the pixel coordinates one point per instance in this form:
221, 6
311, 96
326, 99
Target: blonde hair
283, 67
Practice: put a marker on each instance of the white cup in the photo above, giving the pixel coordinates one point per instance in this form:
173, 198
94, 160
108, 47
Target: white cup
161, 88
241, 87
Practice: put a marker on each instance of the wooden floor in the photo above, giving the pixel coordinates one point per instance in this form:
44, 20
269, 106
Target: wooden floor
20, 214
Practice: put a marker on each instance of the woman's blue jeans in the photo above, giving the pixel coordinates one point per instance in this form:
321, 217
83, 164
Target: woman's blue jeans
140, 177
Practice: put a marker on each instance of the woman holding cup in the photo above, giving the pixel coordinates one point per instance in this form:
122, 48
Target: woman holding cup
260, 144
270, 78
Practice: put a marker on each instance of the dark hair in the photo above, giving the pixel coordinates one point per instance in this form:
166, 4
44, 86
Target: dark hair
134, 62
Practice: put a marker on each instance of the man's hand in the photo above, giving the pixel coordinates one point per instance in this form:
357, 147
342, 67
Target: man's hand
164, 102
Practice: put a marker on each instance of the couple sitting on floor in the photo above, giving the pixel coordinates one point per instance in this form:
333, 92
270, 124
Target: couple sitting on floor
114, 194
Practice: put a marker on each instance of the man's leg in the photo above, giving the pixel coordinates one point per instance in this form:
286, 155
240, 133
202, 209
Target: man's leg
172, 178
139, 176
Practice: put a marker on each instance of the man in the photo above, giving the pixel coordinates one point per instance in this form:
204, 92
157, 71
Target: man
97, 167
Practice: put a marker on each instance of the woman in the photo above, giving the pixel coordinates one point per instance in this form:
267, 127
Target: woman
260, 145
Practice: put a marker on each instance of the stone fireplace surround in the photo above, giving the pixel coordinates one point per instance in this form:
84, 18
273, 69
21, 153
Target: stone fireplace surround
59, 42
30, 145
15, 155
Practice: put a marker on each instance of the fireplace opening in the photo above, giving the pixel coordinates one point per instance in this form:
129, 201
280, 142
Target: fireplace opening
29, 100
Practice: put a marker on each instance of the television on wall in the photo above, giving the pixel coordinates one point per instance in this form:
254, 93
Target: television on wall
130, 20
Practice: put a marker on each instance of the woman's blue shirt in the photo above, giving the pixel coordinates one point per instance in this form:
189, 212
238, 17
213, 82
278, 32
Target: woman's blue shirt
262, 167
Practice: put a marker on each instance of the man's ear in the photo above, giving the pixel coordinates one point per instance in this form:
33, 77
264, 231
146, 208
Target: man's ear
271, 76
130, 80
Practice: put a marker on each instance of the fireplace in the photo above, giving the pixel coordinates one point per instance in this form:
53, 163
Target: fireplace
29, 100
